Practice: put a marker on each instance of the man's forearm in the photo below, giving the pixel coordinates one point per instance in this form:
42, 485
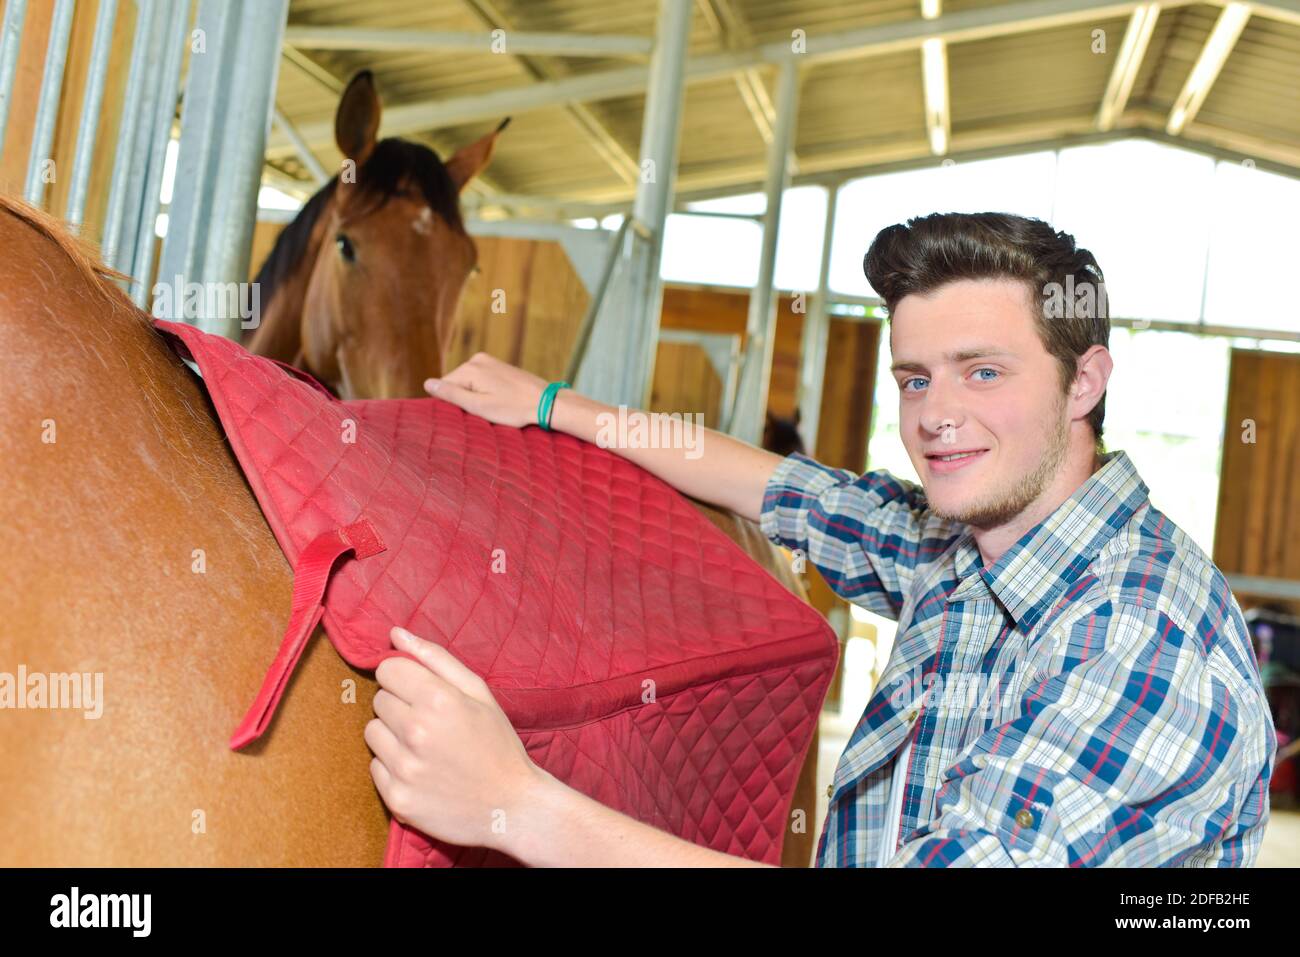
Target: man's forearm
560, 827
716, 468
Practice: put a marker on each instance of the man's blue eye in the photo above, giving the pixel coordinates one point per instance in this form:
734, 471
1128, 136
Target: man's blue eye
908, 382
993, 371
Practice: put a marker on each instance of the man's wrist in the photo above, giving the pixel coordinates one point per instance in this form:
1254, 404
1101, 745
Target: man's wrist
532, 825
575, 414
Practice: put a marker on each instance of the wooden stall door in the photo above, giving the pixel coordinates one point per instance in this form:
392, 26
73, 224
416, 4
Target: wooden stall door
524, 306
1257, 530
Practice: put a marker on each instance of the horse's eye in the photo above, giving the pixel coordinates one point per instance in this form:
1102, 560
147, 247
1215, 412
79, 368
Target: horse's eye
345, 247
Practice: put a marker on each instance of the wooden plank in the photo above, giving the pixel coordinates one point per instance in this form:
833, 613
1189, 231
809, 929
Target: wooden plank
1258, 521
26, 96
848, 392
524, 306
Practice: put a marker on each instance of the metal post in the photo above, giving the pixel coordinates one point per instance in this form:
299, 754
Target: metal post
92, 102
816, 329
751, 397
626, 339
224, 127
47, 109
304, 151
10, 43
122, 216
175, 32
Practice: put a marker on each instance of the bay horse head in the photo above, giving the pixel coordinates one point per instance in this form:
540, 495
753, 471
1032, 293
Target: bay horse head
361, 289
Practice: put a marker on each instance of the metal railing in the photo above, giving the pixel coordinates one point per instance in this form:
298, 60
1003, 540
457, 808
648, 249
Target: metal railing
233, 60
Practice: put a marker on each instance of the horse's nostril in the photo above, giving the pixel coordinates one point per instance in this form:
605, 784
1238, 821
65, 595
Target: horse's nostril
346, 249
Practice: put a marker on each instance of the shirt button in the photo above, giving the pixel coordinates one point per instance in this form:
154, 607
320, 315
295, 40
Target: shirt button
911, 716
830, 790
1024, 818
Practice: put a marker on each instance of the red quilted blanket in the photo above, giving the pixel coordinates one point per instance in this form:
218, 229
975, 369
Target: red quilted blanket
640, 654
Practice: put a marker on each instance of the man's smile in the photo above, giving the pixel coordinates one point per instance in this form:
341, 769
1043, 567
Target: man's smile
950, 460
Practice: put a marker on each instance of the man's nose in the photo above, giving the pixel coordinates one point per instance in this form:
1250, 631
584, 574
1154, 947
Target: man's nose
941, 416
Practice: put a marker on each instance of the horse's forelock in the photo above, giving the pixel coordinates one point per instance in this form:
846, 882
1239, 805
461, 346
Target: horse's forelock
398, 164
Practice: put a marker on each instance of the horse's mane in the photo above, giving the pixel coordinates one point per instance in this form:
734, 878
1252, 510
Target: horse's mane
84, 255
392, 166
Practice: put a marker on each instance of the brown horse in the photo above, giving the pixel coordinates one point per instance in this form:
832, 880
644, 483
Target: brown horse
361, 289
371, 314
137, 553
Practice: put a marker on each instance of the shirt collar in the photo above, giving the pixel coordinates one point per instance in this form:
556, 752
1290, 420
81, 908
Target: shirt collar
1050, 556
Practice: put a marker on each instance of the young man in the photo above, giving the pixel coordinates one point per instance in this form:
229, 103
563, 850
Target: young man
1072, 682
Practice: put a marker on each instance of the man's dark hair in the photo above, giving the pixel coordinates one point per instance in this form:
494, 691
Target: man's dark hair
932, 251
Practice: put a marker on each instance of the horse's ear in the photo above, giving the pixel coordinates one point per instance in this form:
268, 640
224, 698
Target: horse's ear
471, 160
357, 122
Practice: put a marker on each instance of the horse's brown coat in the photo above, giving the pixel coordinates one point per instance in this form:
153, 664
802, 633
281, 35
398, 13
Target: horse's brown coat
97, 533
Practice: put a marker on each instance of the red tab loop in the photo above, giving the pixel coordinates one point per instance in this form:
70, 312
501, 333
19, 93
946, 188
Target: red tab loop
310, 576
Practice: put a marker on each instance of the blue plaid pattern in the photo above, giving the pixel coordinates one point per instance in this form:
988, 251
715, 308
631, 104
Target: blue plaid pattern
1090, 699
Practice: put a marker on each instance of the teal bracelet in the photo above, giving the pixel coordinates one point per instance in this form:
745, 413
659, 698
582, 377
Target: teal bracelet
547, 403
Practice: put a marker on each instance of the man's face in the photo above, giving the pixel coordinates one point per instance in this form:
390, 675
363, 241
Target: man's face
974, 376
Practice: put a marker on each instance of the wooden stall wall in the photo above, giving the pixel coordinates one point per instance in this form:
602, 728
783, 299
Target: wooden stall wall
524, 306
26, 96
1257, 530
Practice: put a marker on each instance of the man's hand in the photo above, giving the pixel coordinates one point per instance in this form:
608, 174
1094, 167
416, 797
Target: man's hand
446, 759
490, 388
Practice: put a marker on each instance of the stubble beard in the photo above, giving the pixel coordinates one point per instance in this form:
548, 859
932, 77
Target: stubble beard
1003, 505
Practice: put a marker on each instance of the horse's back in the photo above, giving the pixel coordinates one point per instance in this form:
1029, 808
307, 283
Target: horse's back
132, 549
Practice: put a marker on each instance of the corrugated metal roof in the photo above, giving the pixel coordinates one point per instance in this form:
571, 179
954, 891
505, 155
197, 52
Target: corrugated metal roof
857, 109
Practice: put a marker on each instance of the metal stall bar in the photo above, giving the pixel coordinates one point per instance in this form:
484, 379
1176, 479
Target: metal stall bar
304, 151
121, 218
620, 365
746, 422
199, 158
92, 102
517, 42
175, 32
10, 44
47, 108
816, 330
224, 127
583, 338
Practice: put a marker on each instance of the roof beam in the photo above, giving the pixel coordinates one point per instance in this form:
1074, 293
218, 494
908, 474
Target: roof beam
514, 42
1215, 53
842, 165
597, 133
1128, 61
729, 26
934, 77
964, 25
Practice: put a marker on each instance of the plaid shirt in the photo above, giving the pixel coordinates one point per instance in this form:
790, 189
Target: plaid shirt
1091, 698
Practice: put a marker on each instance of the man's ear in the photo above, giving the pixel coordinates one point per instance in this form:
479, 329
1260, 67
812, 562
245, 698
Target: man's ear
471, 160
356, 124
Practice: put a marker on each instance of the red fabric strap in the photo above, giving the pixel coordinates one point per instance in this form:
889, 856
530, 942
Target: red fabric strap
310, 576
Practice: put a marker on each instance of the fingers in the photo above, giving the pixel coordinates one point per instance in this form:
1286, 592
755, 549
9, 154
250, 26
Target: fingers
395, 713
383, 780
383, 743
459, 395
442, 663
410, 681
